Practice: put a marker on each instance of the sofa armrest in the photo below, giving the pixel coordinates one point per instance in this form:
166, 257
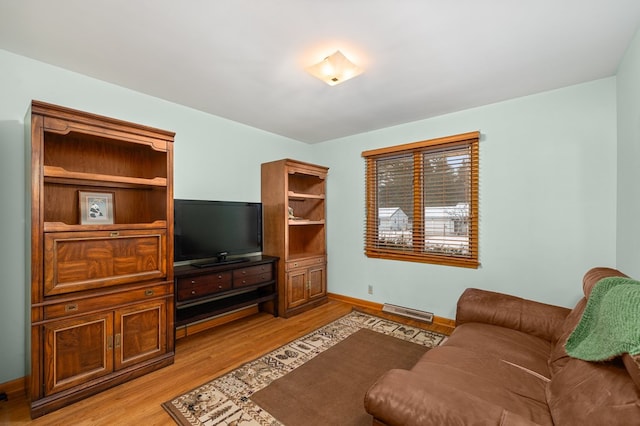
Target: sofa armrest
528, 316
401, 397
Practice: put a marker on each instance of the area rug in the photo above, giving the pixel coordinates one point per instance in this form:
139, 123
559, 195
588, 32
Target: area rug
316, 379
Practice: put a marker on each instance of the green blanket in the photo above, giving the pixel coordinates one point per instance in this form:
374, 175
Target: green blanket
610, 324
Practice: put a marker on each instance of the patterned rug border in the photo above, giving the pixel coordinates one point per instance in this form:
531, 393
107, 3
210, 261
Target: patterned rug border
226, 400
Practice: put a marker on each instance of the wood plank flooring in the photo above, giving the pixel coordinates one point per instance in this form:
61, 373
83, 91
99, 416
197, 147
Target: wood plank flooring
199, 358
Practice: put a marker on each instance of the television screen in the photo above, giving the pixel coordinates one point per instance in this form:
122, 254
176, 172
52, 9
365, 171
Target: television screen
215, 229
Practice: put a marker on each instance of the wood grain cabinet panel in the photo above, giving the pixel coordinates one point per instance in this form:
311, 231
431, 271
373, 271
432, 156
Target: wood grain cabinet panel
76, 305
317, 282
76, 261
77, 350
139, 332
296, 288
305, 283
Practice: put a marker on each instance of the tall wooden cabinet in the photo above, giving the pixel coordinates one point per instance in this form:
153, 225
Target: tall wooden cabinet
293, 198
101, 254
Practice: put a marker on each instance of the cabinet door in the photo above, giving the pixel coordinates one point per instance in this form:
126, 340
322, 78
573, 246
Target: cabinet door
77, 350
77, 261
317, 282
297, 290
140, 332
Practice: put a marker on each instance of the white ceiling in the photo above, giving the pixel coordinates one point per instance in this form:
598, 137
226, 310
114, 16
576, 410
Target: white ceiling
244, 59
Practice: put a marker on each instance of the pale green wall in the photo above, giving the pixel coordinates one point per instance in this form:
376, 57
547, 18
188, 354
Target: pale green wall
547, 201
628, 78
548, 167
214, 159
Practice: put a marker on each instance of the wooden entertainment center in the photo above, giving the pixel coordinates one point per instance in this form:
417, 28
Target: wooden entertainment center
211, 295
101, 253
106, 300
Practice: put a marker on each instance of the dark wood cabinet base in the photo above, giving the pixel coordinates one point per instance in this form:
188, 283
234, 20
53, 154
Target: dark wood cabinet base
206, 293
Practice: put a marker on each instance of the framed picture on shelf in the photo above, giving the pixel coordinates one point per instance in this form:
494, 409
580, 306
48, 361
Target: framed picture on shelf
96, 208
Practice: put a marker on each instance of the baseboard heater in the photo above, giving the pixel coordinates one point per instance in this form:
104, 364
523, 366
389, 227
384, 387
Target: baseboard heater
408, 312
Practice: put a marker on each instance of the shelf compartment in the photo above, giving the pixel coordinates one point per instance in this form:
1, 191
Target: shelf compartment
132, 205
192, 313
306, 240
306, 186
87, 154
307, 209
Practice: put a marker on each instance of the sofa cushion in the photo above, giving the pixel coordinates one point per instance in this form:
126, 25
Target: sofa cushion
405, 398
595, 393
535, 318
515, 347
489, 379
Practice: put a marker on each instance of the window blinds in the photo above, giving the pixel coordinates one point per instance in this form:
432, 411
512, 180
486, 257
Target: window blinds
422, 201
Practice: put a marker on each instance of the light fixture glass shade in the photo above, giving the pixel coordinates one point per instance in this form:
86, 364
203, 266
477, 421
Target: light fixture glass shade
334, 69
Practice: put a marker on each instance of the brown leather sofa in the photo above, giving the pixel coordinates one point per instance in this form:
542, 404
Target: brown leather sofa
505, 364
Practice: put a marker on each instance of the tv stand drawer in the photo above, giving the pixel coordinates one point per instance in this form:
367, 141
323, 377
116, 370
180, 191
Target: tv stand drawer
252, 275
202, 285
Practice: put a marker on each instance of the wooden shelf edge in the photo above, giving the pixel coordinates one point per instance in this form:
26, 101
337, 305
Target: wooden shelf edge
301, 196
297, 257
237, 291
298, 222
205, 324
63, 227
61, 175
225, 308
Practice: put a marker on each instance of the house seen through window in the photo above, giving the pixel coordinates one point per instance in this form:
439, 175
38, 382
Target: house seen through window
422, 201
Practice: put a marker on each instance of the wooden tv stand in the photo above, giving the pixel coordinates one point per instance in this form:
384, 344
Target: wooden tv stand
212, 295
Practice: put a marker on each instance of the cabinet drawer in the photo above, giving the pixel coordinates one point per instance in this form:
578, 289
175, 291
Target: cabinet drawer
76, 261
252, 279
252, 275
203, 285
109, 301
252, 270
305, 263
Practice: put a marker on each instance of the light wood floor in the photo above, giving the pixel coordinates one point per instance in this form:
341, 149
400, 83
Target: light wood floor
199, 358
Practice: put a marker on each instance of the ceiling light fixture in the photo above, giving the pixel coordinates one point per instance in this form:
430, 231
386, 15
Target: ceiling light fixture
334, 69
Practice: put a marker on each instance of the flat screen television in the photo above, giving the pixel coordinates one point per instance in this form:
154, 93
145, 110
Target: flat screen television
208, 232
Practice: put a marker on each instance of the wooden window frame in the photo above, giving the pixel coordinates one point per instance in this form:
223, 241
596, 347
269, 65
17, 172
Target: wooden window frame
417, 254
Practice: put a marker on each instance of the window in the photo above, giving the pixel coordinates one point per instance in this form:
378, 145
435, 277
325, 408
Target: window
422, 201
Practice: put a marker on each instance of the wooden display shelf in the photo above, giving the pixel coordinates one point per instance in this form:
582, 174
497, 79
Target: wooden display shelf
302, 196
195, 313
63, 227
56, 174
296, 257
297, 222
